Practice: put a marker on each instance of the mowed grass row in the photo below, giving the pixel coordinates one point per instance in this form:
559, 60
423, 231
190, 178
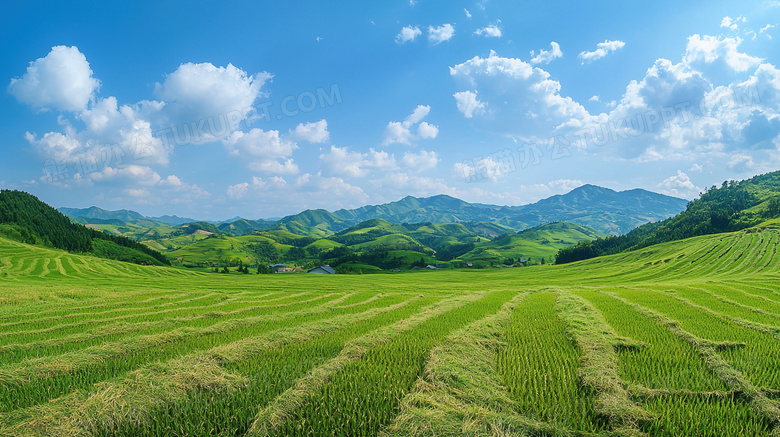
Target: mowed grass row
16, 313
704, 296
134, 397
157, 324
726, 416
745, 295
37, 381
271, 373
665, 361
68, 317
658, 359
61, 265
757, 360
365, 395
191, 311
540, 367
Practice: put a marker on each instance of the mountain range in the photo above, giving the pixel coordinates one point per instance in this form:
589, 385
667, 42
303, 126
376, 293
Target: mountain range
605, 210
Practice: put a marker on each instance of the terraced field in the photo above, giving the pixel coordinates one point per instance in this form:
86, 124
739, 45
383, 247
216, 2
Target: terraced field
677, 339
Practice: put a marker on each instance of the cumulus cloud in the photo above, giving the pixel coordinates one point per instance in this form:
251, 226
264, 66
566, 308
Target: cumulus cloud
237, 191
315, 132
418, 162
468, 104
408, 33
340, 161
468, 14
198, 91
731, 23
523, 100
546, 56
602, 50
401, 132
146, 185
437, 35
492, 31
565, 185
399, 184
426, 131
307, 191
482, 168
61, 80
679, 185
702, 51
264, 151
741, 162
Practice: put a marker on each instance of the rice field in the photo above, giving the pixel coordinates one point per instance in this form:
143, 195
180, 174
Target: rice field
677, 339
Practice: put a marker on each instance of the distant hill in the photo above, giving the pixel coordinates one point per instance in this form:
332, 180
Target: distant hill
101, 214
602, 209
94, 214
25, 218
538, 244
733, 206
377, 244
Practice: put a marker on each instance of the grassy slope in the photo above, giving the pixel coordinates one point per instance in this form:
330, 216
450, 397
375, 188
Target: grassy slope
36, 281
539, 242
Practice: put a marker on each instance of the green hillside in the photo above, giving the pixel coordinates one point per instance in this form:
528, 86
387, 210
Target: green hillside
25, 218
537, 245
735, 205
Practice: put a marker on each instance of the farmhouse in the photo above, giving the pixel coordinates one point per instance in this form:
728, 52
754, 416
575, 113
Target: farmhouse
280, 268
323, 270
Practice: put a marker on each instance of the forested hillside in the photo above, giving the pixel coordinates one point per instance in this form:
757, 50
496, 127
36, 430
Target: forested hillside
25, 218
732, 207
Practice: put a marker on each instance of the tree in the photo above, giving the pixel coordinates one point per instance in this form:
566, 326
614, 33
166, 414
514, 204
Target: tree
225, 270
774, 206
263, 269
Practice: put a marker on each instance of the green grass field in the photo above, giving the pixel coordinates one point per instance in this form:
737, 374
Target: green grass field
677, 339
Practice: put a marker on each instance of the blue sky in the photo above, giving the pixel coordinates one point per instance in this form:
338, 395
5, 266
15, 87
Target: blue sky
263, 109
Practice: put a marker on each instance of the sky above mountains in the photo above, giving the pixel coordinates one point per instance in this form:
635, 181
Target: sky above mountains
263, 109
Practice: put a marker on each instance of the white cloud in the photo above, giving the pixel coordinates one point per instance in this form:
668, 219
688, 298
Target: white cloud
702, 51
340, 161
729, 23
524, 102
546, 56
696, 167
399, 184
427, 131
61, 80
307, 191
422, 161
400, 132
484, 168
741, 162
199, 91
287, 166
766, 29
492, 31
602, 50
468, 103
565, 185
315, 132
143, 182
468, 14
408, 33
437, 35
113, 135
264, 151
679, 185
